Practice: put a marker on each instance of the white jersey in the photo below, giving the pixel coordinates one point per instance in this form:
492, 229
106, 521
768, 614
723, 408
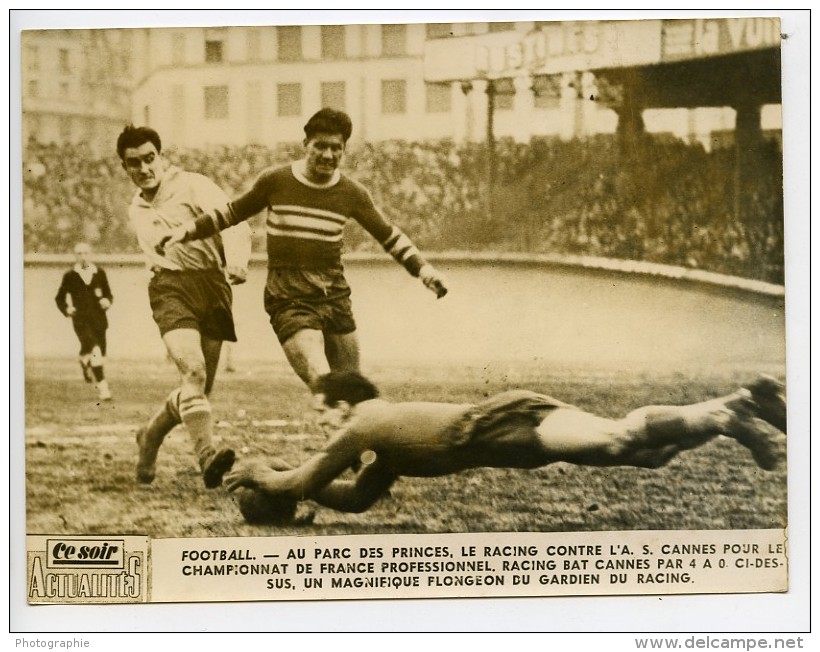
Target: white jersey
182, 197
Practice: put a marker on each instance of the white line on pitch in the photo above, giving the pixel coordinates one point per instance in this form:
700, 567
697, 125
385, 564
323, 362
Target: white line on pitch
39, 431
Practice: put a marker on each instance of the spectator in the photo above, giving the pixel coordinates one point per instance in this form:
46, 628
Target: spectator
672, 206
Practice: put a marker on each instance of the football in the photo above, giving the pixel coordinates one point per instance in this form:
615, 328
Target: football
260, 508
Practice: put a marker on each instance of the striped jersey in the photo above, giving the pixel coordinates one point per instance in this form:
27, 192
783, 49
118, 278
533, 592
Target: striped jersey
305, 221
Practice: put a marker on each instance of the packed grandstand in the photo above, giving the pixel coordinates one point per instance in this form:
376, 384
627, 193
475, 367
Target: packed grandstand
670, 203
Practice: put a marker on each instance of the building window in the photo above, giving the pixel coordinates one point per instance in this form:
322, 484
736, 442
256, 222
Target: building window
254, 44
146, 115
64, 62
216, 102
64, 90
290, 43
546, 90
439, 30
394, 96
333, 41
542, 102
33, 88
289, 99
439, 98
501, 27
333, 95
394, 40
213, 51
178, 48
504, 94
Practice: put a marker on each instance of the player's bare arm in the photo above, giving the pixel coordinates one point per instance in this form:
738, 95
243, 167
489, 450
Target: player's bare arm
358, 495
255, 474
304, 481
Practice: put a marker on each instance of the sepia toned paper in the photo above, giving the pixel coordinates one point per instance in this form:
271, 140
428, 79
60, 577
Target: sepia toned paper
419, 566
520, 313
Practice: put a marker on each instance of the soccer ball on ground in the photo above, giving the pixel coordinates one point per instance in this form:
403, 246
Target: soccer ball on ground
261, 508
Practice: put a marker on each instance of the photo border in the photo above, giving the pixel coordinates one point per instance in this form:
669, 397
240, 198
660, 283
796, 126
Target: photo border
720, 613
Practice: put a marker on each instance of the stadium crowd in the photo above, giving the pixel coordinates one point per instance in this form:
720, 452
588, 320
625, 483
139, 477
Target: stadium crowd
670, 202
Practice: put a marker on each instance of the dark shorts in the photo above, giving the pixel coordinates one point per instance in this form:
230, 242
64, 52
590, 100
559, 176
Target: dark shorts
493, 419
90, 335
317, 299
200, 300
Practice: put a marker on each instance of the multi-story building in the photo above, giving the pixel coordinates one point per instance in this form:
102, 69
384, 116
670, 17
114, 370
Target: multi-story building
259, 84
234, 85
76, 85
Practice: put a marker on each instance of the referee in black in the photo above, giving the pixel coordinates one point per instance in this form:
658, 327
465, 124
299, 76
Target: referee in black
84, 297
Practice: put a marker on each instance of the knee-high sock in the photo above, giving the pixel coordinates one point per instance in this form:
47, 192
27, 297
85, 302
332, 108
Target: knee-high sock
150, 438
165, 419
195, 412
96, 360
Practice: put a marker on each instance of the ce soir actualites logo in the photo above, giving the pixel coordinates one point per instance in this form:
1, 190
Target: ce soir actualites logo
88, 569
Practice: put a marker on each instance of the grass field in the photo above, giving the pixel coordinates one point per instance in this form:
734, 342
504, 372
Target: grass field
80, 457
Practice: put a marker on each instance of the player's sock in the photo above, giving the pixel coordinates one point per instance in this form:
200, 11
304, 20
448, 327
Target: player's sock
172, 405
195, 411
85, 364
104, 390
98, 372
151, 436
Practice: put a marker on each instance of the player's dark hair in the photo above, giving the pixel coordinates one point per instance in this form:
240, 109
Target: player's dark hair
329, 121
346, 386
133, 136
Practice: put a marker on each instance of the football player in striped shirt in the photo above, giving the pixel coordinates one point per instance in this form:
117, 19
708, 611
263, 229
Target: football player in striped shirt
308, 204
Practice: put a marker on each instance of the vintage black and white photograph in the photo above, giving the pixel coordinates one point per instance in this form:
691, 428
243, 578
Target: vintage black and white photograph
515, 286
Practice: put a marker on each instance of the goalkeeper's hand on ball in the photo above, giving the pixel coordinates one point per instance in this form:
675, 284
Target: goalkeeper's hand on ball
261, 508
